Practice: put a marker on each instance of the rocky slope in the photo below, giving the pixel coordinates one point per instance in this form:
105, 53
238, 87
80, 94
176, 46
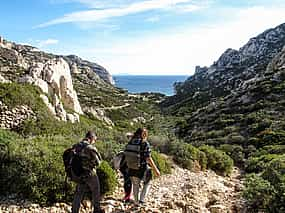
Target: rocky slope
229, 73
236, 98
70, 85
182, 191
237, 105
52, 73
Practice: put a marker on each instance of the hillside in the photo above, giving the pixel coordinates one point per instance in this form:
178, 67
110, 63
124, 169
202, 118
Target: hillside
229, 73
237, 105
70, 86
238, 97
48, 102
231, 113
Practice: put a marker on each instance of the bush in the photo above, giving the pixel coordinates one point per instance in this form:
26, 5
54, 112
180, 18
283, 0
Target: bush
235, 138
258, 192
186, 154
107, 177
271, 178
258, 164
269, 137
161, 162
34, 169
5, 138
109, 149
13, 94
235, 152
217, 160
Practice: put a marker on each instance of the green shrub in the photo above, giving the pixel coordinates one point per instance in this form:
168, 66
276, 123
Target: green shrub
235, 138
13, 94
217, 160
269, 137
161, 162
107, 177
109, 149
235, 152
215, 134
5, 138
186, 154
258, 164
34, 169
258, 192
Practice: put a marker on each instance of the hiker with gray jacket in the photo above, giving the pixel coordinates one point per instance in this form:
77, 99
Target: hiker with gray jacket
87, 179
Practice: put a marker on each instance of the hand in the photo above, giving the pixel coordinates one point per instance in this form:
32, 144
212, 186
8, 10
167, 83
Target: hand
157, 173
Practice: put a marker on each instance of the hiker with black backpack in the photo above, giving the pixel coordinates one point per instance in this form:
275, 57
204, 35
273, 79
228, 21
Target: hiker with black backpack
139, 161
83, 159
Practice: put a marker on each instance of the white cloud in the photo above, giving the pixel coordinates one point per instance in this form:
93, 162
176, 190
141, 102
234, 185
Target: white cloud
97, 3
153, 19
47, 42
97, 15
179, 51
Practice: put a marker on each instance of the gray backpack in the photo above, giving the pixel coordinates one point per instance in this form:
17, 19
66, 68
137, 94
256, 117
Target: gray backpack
133, 154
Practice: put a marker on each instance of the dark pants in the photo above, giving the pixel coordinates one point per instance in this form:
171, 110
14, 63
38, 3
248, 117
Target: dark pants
91, 183
127, 185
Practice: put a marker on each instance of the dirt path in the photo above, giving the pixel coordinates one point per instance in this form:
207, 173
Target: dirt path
182, 191
186, 191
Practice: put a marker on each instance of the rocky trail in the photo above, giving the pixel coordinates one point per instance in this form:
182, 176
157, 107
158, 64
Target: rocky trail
182, 191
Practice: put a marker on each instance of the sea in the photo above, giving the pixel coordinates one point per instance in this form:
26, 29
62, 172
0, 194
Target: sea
148, 83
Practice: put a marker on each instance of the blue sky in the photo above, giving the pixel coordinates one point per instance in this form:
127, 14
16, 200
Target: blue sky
139, 36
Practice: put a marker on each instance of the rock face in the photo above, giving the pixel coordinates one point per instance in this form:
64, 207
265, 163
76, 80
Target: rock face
223, 97
52, 73
77, 65
232, 68
54, 78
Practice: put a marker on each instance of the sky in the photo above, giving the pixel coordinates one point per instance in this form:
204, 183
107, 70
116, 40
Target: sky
141, 37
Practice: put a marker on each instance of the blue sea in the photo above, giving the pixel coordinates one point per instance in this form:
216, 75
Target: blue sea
148, 83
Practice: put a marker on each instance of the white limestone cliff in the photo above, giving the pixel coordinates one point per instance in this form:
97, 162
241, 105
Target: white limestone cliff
54, 78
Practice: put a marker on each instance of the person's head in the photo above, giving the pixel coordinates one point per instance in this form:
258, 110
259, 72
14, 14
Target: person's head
91, 136
141, 133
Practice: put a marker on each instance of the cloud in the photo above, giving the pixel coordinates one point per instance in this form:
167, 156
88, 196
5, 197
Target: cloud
153, 19
47, 42
96, 3
180, 50
101, 14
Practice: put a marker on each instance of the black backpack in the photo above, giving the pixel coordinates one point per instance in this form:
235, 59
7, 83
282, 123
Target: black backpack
73, 162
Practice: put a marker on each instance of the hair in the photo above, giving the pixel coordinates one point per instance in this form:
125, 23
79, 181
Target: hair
140, 133
90, 135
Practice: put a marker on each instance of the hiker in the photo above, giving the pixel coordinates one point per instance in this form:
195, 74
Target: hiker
138, 158
89, 181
